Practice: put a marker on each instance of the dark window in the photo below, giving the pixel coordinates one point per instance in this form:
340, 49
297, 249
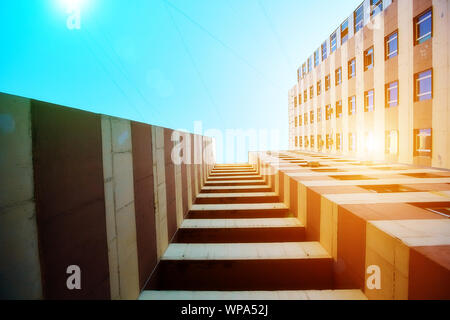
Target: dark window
311, 117
352, 68
368, 59
338, 109
344, 32
311, 92
423, 142
338, 76
351, 105
299, 99
305, 96
423, 27
423, 85
368, 101
333, 43
324, 51
327, 83
376, 6
392, 94
358, 17
319, 87
391, 45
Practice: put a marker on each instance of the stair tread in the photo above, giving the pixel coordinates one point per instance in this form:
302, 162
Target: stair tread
233, 188
241, 223
238, 206
351, 294
236, 195
245, 251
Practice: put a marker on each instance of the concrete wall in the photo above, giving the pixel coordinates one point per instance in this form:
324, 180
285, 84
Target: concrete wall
89, 190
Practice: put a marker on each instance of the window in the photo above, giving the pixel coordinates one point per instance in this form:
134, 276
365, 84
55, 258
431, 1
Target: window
333, 42
423, 142
316, 58
305, 96
299, 99
329, 141
296, 141
392, 94
306, 142
352, 68
328, 112
309, 64
319, 142
305, 118
352, 142
368, 59
338, 76
311, 116
311, 92
391, 144
358, 18
300, 123
338, 109
298, 74
295, 102
324, 50
311, 139
376, 6
423, 85
344, 32
338, 142
391, 46
303, 69
319, 114
327, 83
296, 122
300, 142
319, 87
368, 101
423, 27
351, 105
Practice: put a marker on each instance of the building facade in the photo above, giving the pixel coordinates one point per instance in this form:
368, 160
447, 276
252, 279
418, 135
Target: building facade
378, 87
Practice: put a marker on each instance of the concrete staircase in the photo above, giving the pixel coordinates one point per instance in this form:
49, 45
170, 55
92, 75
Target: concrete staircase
240, 242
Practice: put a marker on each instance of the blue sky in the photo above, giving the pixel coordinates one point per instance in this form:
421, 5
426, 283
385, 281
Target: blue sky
227, 63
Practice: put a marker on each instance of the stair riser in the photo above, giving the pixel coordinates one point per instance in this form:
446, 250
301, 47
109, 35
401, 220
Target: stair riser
239, 214
237, 200
240, 235
237, 178
245, 275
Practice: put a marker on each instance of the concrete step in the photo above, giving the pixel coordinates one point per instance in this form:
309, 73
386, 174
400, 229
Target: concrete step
235, 189
243, 266
240, 231
255, 295
238, 211
231, 182
240, 177
242, 197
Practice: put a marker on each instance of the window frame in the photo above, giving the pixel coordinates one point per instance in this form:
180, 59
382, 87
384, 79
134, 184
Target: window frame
375, 6
336, 72
388, 55
423, 152
316, 58
324, 48
350, 63
345, 32
311, 92
367, 107
358, 25
416, 21
335, 42
319, 87
417, 95
327, 82
311, 116
387, 96
350, 109
338, 105
372, 64
319, 114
